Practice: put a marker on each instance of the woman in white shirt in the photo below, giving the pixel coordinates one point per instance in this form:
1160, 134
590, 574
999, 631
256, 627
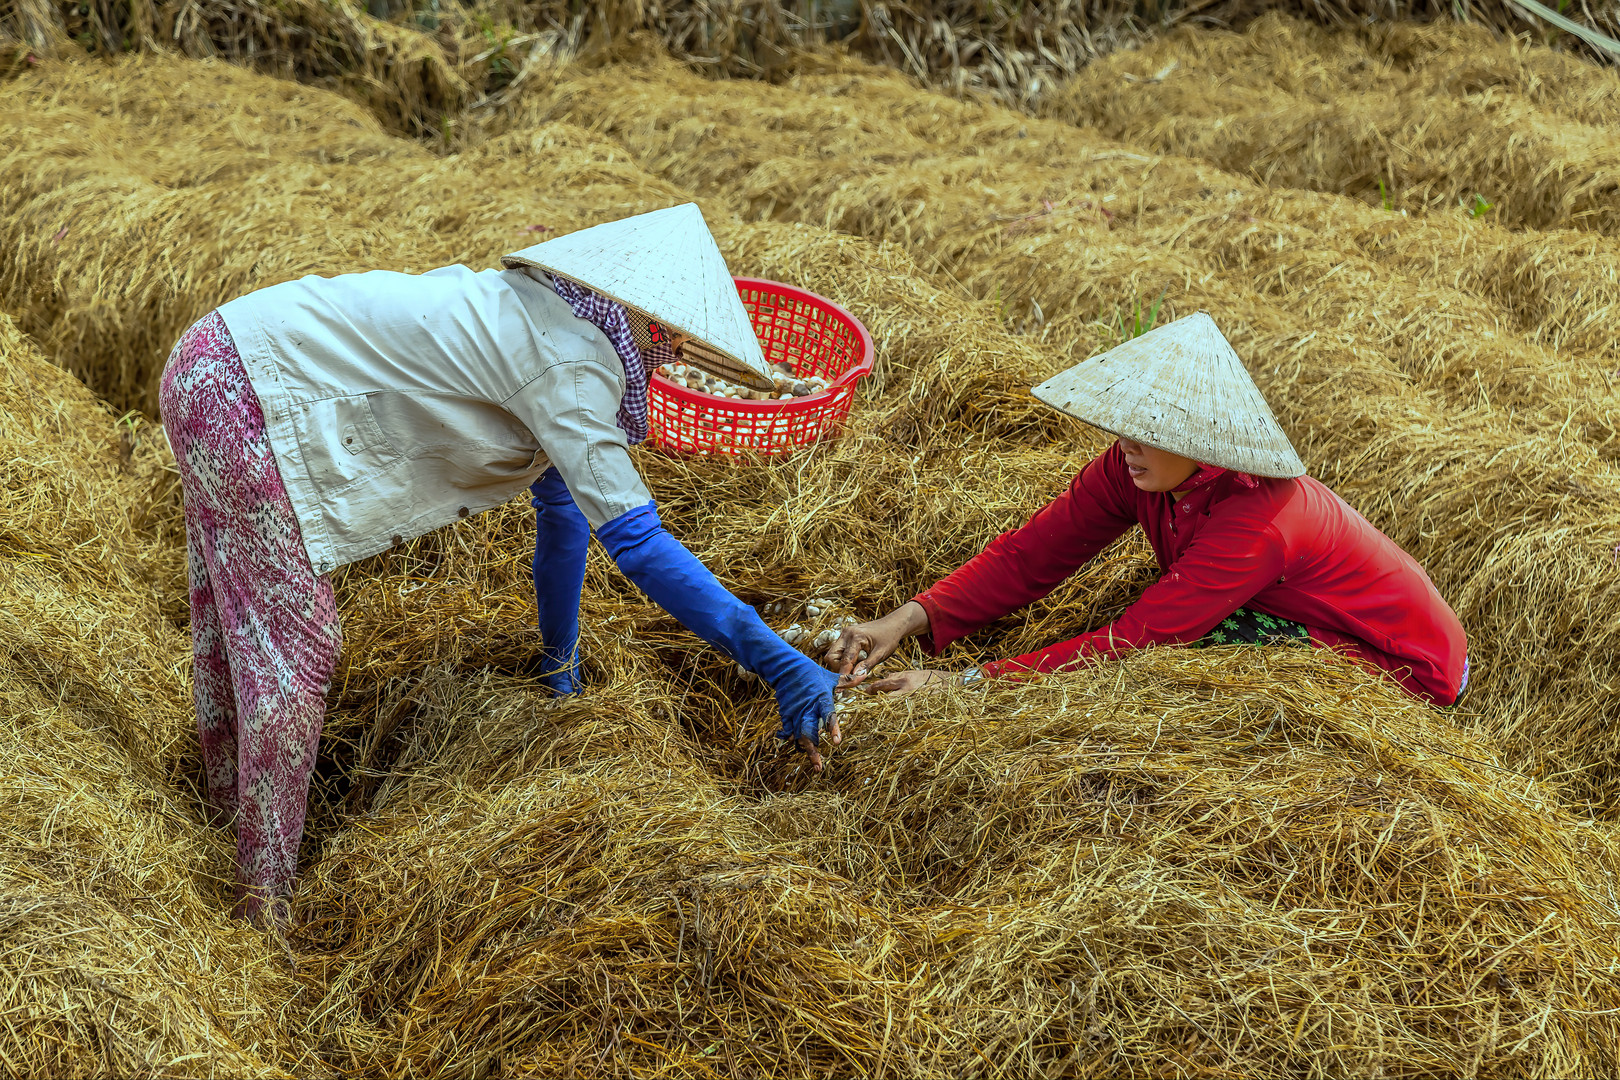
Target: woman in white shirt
323, 420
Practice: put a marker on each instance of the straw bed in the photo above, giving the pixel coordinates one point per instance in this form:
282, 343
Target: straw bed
84, 540
1175, 866
434, 71
861, 151
1444, 414
1438, 115
1193, 862
116, 955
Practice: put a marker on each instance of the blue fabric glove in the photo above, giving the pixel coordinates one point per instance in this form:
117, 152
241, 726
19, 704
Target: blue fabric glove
672, 576
561, 536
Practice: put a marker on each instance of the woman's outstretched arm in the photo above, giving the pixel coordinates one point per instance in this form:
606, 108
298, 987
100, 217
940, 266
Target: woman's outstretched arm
1218, 573
571, 411
1017, 568
674, 579
1021, 566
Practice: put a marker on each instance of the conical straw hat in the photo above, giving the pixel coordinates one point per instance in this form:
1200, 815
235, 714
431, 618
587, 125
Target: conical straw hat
1183, 389
665, 265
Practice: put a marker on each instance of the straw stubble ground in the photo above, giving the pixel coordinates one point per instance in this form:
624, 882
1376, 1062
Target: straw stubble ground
1188, 863
1453, 377
117, 957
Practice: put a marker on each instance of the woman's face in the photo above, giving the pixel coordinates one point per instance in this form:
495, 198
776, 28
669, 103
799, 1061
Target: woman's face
1156, 470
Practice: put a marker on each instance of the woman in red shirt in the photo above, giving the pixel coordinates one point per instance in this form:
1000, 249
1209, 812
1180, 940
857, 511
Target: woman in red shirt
1250, 548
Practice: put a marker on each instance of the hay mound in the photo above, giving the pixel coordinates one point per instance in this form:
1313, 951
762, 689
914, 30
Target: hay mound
1221, 862
85, 539
432, 70
1437, 114
115, 949
1478, 431
107, 249
1233, 863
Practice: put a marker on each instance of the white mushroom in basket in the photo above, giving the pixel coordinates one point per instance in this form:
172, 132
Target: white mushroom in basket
787, 384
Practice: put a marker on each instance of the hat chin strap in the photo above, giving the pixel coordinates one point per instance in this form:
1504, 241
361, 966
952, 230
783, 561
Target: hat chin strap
689, 349
694, 352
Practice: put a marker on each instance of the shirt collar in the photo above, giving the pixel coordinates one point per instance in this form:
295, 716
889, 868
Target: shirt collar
1208, 474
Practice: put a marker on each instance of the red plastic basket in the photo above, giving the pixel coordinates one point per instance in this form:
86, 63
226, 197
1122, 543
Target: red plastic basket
809, 332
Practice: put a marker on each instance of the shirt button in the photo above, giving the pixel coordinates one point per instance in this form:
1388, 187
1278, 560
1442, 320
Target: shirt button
463, 512
398, 540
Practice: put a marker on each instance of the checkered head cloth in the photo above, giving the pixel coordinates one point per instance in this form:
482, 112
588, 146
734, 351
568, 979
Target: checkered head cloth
641, 344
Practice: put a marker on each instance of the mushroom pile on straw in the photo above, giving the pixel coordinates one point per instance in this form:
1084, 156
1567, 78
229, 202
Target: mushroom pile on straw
787, 385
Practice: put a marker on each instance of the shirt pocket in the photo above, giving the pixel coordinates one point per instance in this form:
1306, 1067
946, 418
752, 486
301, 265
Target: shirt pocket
342, 441
473, 442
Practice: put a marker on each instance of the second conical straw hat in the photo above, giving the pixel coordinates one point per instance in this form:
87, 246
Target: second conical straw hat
1183, 389
666, 265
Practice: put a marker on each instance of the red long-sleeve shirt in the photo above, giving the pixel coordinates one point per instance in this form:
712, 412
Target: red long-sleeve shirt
1290, 548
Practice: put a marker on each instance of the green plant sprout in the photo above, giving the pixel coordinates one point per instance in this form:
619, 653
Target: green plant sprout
1480, 206
498, 54
1383, 196
128, 427
1137, 327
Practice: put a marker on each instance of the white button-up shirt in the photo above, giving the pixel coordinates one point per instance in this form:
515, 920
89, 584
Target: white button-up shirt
397, 403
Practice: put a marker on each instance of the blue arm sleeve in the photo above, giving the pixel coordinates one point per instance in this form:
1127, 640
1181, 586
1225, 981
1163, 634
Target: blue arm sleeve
561, 536
673, 578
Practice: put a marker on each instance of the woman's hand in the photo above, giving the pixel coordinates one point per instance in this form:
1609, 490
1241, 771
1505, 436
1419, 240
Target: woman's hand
672, 577
804, 697
902, 683
864, 646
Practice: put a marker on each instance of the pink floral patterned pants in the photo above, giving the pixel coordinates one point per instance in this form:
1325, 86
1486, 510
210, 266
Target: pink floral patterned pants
264, 625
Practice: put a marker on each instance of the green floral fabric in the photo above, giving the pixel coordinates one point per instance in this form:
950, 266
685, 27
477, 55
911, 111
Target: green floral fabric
1245, 627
